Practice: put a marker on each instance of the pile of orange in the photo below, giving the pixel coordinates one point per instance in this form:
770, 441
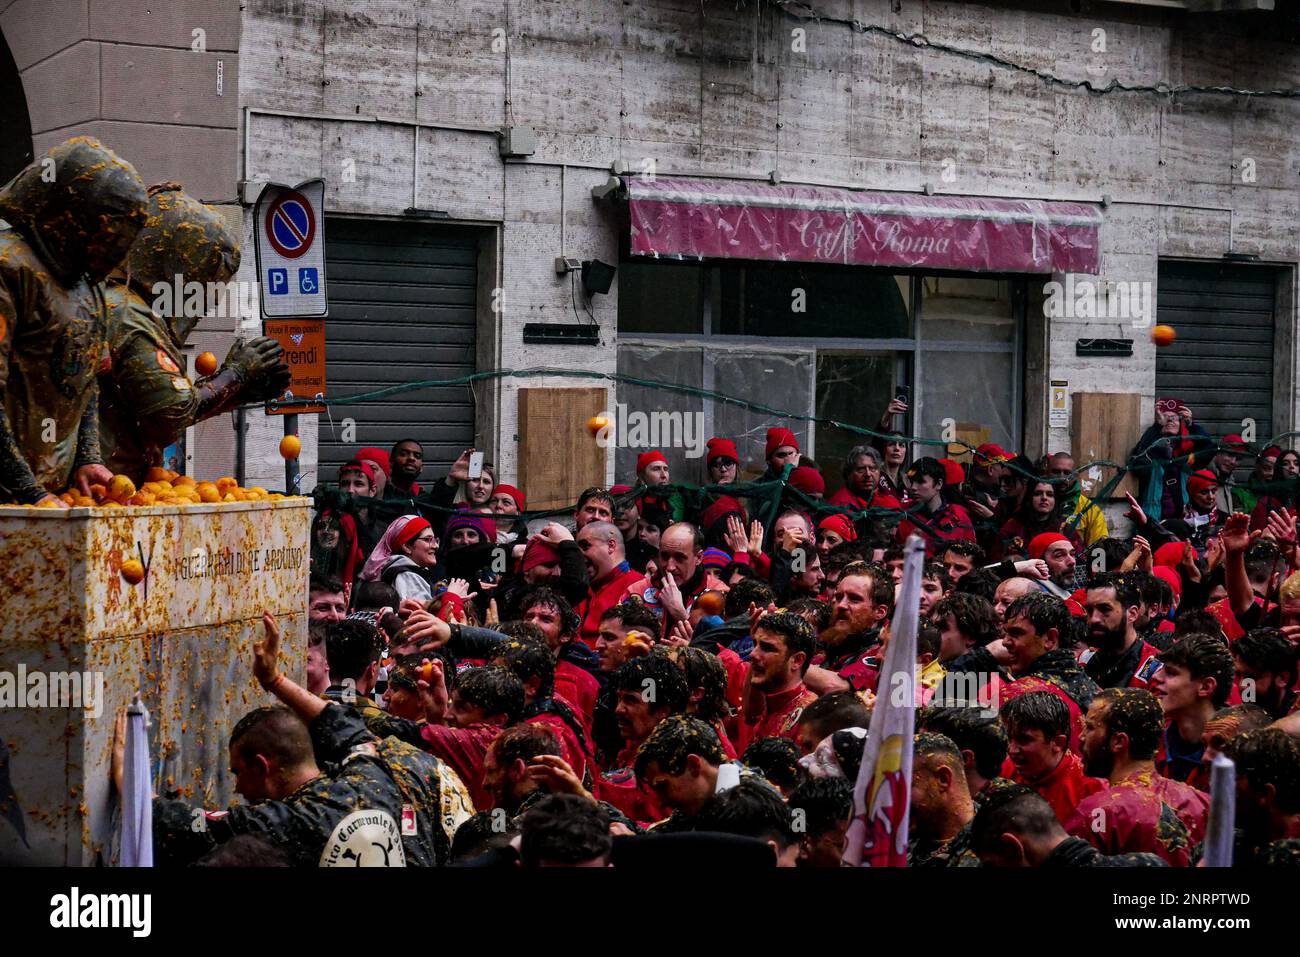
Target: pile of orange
165, 487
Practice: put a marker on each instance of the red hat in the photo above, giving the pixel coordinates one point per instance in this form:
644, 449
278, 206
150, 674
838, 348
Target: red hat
953, 473
715, 558
365, 468
1271, 452
808, 480
378, 456
646, 459
537, 553
1165, 573
778, 437
1234, 443
412, 528
619, 489
1039, 544
840, 525
722, 449
1201, 480
990, 454
1169, 554
719, 510
514, 493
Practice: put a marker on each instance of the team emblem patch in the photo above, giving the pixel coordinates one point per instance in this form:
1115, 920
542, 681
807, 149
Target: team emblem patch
364, 839
166, 362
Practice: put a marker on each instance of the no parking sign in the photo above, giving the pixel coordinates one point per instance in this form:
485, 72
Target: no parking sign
289, 236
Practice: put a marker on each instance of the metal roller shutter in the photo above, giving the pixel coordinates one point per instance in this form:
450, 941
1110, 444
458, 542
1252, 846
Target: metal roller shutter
401, 309
1221, 364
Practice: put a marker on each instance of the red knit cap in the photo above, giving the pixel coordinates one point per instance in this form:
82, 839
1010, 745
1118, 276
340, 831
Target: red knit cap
719, 510
990, 454
378, 456
777, 438
1165, 573
1039, 544
412, 528
953, 473
1169, 554
646, 459
840, 525
513, 492
722, 449
537, 553
365, 468
808, 480
1201, 480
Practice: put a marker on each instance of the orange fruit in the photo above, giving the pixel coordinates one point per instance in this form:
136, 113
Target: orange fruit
98, 492
171, 476
205, 363
47, 503
180, 480
596, 423
120, 488
290, 447
209, 493
1163, 335
228, 497
225, 484
156, 474
132, 571
142, 498
110, 503
69, 497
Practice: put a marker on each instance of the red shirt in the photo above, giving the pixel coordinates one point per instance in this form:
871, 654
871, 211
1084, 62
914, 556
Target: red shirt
1064, 786
847, 498
1139, 813
573, 752
950, 524
602, 597
779, 717
619, 787
463, 749
578, 687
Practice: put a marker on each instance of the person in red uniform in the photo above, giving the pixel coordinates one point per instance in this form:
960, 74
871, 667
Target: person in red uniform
1140, 811
782, 449
1031, 637
575, 664
930, 516
775, 694
861, 488
680, 579
1194, 683
484, 701
601, 544
706, 677
851, 647
1121, 659
647, 690
1038, 727
529, 659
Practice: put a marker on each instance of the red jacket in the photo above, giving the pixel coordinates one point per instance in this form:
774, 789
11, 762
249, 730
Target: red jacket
1064, 786
602, 597
950, 524
847, 498
619, 787
579, 688
1144, 812
573, 752
463, 749
779, 717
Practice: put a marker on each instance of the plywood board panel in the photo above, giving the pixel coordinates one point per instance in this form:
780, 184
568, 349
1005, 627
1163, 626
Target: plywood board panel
1105, 426
558, 457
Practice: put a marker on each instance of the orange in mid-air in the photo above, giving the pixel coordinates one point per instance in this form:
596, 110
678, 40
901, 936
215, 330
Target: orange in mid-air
290, 447
133, 571
1163, 335
205, 363
596, 423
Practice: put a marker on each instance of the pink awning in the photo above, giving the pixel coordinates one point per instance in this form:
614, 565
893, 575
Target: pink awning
726, 219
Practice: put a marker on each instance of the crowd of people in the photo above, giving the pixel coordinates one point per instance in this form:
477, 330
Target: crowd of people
664, 675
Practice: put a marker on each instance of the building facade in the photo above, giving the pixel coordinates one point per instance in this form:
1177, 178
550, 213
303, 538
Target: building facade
810, 207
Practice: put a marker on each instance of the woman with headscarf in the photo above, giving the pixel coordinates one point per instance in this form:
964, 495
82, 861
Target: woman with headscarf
406, 558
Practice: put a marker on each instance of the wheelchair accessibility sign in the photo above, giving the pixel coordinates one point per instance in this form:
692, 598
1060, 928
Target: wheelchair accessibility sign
289, 237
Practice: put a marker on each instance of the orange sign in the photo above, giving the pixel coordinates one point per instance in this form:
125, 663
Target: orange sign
304, 350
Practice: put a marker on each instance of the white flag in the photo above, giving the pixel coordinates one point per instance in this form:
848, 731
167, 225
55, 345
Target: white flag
882, 795
137, 790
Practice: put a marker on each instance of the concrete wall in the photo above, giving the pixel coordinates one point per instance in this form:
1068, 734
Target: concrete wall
713, 89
